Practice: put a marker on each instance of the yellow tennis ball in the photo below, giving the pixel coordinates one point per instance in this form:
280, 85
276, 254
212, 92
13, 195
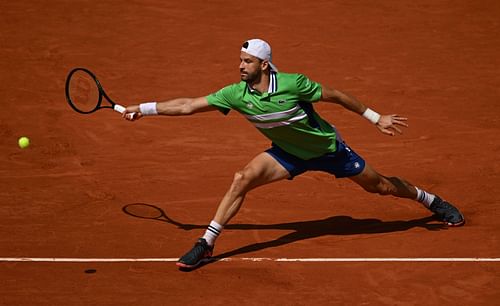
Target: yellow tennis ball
23, 142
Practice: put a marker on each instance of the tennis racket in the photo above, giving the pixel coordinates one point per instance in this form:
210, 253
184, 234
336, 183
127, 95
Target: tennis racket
85, 94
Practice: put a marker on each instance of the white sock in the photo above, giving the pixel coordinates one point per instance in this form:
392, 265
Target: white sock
212, 232
425, 197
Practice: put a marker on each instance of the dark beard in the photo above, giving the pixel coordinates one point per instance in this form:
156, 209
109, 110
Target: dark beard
252, 79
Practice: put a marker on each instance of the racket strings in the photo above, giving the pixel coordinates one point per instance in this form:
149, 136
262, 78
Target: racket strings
83, 92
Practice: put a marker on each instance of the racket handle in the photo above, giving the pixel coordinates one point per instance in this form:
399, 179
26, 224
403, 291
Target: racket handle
122, 109
119, 108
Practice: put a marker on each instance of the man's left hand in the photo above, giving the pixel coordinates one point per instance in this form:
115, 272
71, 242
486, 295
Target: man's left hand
389, 124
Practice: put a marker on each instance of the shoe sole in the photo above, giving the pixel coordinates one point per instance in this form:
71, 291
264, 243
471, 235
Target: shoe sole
456, 224
186, 266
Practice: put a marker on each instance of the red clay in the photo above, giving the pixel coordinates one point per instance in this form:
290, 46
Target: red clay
433, 61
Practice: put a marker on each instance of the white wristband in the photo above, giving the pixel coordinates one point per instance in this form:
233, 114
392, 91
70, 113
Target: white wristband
148, 109
371, 115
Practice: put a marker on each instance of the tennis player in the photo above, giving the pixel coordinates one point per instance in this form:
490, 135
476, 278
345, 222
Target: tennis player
280, 106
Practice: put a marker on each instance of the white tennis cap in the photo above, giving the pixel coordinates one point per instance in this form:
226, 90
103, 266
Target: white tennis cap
260, 49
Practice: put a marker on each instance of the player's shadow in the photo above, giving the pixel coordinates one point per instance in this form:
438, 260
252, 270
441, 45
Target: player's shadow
335, 225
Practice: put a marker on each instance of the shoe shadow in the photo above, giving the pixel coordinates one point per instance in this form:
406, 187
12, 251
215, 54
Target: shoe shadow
335, 225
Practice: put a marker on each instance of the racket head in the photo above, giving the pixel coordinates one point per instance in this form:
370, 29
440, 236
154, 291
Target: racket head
83, 91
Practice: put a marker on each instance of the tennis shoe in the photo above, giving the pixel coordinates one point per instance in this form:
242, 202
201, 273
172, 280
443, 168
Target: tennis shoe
446, 212
200, 253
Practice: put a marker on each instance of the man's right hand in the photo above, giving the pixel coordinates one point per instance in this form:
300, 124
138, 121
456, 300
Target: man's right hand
132, 113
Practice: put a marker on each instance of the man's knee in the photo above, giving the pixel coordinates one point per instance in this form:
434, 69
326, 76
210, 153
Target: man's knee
241, 181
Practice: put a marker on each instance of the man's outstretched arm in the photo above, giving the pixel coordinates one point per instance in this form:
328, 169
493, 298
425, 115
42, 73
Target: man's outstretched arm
175, 107
387, 124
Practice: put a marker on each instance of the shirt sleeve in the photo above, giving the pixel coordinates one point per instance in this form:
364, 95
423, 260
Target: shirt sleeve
222, 99
308, 91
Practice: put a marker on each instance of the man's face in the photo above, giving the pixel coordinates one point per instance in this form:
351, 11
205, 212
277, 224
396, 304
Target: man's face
251, 67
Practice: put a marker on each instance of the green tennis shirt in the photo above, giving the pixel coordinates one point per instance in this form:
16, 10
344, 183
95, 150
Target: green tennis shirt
284, 114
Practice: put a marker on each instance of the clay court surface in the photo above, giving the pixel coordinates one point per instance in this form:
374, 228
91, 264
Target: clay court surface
67, 195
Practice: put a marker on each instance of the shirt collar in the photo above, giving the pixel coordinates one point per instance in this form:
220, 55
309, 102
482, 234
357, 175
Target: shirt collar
273, 84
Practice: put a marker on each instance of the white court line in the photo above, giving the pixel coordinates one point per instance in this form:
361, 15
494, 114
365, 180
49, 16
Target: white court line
254, 259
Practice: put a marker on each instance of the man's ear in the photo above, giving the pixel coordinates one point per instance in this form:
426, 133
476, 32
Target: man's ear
265, 65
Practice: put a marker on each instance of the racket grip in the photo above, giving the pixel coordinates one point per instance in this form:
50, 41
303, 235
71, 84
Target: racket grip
119, 108
122, 109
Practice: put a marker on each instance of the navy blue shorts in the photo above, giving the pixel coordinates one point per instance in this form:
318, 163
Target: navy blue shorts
342, 163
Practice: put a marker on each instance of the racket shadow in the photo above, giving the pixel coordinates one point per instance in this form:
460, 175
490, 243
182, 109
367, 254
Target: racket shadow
155, 213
